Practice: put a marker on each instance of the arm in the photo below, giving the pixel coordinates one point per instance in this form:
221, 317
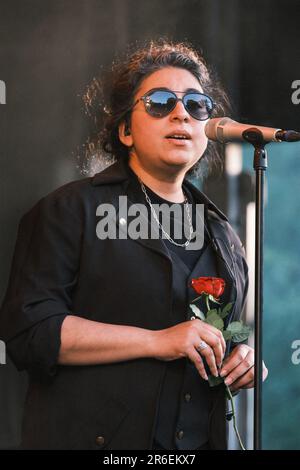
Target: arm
86, 342
42, 278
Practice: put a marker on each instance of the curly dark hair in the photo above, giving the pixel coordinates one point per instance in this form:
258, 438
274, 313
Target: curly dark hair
109, 98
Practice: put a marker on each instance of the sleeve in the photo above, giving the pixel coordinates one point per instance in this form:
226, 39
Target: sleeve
42, 281
37, 348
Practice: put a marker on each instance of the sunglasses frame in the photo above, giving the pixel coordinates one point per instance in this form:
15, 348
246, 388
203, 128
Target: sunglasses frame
173, 92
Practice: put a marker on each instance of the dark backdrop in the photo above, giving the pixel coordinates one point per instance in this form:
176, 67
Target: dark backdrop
50, 49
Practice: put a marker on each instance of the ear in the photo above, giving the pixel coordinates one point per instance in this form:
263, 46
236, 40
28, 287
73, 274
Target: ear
125, 137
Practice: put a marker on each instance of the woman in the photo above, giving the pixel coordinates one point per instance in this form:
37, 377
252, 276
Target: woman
101, 323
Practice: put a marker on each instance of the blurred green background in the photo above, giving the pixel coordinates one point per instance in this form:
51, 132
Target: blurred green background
281, 404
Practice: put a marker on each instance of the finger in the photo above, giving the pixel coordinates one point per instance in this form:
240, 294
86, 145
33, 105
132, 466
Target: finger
243, 381
207, 328
214, 338
213, 341
219, 334
235, 387
239, 383
239, 371
209, 355
234, 359
198, 362
249, 385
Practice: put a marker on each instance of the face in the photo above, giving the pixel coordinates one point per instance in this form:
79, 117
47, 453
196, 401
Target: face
152, 148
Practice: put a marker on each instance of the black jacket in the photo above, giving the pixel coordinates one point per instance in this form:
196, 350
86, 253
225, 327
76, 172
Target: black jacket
60, 267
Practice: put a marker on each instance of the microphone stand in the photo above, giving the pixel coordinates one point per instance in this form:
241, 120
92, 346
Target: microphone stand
260, 163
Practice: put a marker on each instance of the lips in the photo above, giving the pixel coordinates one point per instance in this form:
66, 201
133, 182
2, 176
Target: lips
179, 135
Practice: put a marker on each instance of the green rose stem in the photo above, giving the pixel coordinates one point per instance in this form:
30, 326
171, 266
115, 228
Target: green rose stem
229, 395
207, 302
233, 416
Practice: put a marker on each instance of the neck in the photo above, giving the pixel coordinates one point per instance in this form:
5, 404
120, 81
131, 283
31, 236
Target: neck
167, 186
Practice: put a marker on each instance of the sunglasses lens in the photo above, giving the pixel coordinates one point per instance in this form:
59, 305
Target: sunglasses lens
160, 103
198, 106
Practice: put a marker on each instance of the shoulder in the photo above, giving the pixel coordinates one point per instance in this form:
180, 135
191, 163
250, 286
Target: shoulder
70, 194
65, 198
81, 194
74, 199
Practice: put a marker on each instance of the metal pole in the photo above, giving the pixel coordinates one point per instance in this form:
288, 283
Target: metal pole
259, 237
260, 164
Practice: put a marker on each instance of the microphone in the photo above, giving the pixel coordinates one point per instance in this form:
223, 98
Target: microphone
224, 130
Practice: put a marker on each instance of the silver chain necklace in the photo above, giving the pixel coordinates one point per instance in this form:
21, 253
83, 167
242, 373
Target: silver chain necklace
191, 230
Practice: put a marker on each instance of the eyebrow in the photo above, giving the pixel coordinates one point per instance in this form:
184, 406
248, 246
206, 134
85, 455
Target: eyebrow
187, 90
192, 90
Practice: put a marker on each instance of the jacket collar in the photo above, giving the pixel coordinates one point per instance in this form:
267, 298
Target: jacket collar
118, 173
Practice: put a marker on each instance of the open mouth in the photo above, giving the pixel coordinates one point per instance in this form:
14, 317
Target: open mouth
178, 136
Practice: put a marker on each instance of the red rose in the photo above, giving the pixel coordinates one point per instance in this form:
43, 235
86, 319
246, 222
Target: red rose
209, 285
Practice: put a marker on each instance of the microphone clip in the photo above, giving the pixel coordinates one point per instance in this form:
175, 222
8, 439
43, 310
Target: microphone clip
255, 137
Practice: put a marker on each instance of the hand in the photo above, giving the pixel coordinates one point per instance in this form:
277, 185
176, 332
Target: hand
238, 368
183, 340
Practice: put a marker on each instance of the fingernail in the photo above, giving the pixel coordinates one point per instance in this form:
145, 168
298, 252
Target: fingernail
223, 372
205, 376
216, 374
228, 381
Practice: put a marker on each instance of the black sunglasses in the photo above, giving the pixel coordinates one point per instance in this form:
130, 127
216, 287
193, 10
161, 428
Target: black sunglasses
159, 102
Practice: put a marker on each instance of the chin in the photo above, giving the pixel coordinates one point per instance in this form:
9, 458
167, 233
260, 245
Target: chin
181, 160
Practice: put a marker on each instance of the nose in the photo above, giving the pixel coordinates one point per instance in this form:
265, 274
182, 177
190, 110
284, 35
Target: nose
179, 113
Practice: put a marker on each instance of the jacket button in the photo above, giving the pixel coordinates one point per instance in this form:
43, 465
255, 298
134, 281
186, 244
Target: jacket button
100, 440
179, 434
187, 397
